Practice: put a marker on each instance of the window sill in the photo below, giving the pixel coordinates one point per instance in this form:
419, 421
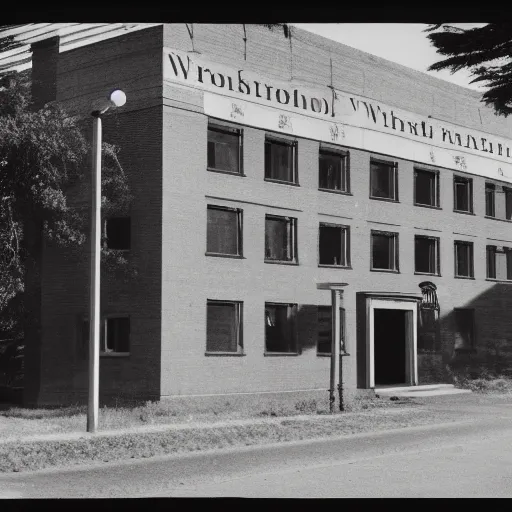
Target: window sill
386, 199
282, 182
220, 255
278, 354
387, 271
346, 267
278, 262
464, 277
114, 354
224, 354
498, 218
463, 212
333, 191
428, 206
220, 171
494, 280
427, 274
492, 217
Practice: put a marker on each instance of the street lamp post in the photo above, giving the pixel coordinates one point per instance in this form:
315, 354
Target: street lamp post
116, 99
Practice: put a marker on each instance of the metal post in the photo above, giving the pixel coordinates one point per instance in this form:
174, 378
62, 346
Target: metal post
335, 348
94, 287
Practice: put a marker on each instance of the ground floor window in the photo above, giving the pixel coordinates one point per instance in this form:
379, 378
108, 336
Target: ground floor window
428, 338
464, 329
324, 340
224, 326
114, 335
280, 328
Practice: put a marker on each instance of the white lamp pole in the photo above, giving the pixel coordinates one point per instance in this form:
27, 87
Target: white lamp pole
116, 99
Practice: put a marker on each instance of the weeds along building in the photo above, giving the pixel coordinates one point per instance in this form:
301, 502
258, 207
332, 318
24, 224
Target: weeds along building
263, 167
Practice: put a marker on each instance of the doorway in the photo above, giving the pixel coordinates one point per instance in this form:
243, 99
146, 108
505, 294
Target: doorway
390, 339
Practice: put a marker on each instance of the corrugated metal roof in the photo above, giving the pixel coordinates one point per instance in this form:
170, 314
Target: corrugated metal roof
72, 35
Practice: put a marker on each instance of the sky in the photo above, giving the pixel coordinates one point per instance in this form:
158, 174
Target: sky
404, 43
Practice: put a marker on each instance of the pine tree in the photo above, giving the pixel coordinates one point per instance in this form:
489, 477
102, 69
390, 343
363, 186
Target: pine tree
485, 51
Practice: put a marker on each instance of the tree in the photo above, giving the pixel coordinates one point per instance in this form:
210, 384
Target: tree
43, 155
485, 51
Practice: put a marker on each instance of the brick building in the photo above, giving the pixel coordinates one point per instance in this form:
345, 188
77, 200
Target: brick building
262, 168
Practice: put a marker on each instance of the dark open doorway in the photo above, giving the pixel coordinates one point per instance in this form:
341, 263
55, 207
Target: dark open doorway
390, 346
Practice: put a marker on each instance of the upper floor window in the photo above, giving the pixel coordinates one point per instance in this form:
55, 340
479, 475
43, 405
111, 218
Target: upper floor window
280, 239
383, 180
224, 231
490, 195
223, 326
426, 254
384, 251
426, 187
118, 233
333, 245
281, 160
463, 259
508, 202
333, 171
224, 149
499, 262
463, 194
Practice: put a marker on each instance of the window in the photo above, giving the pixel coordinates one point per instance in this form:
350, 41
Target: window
426, 187
490, 192
281, 160
508, 202
224, 326
118, 231
426, 255
428, 330
280, 239
384, 251
224, 149
464, 329
114, 335
333, 171
463, 259
280, 328
491, 261
334, 245
324, 341
463, 194
499, 262
383, 180
224, 231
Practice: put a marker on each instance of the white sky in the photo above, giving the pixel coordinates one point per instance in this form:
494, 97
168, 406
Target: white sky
404, 43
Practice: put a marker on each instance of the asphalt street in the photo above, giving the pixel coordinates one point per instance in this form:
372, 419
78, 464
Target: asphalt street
471, 457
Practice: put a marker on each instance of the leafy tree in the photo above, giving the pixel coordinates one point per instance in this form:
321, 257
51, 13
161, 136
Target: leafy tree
43, 196
485, 51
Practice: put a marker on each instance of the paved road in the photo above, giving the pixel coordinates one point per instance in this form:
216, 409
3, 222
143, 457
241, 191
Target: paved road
470, 458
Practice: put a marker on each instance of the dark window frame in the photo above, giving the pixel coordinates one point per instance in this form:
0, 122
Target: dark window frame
472, 347
437, 264
294, 260
490, 250
291, 313
436, 174
239, 318
106, 229
490, 206
394, 166
390, 234
240, 229
345, 168
469, 182
220, 127
346, 231
294, 144
508, 202
342, 339
471, 263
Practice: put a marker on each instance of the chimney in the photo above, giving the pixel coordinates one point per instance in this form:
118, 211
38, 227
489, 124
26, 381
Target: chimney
45, 55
